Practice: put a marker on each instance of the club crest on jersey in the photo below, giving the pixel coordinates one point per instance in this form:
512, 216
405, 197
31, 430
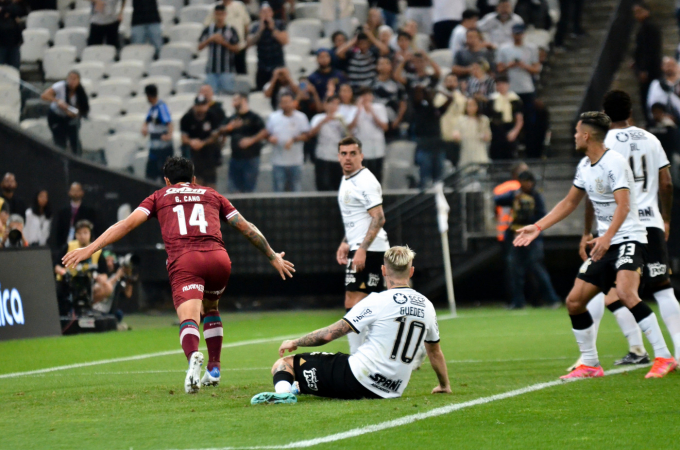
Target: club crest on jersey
185, 190
400, 298
346, 197
311, 379
599, 185
622, 136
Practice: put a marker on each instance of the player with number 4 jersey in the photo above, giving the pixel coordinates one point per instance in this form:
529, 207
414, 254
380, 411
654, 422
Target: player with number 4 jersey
198, 265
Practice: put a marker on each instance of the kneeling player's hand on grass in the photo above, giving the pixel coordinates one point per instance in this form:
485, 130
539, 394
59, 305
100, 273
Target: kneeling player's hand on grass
72, 259
287, 345
600, 247
526, 235
583, 246
342, 253
285, 268
442, 390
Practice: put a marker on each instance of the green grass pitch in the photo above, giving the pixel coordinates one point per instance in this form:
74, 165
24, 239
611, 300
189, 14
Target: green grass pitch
141, 404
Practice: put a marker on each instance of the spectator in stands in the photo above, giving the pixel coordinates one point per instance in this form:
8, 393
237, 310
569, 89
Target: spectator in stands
329, 128
247, 132
480, 85
391, 94
475, 51
200, 140
307, 99
536, 13
38, 219
505, 112
504, 213
16, 222
426, 132
362, 53
270, 36
281, 81
570, 11
373, 22
12, 19
498, 25
63, 226
336, 15
665, 130
4, 217
473, 132
338, 39
105, 19
451, 104
238, 18
68, 103
159, 127
278, 7
648, 51
371, 125
421, 76
666, 89
404, 51
385, 35
446, 15
527, 207
390, 11
325, 73
287, 129
8, 188
146, 24
420, 11
458, 39
223, 44
347, 108
214, 106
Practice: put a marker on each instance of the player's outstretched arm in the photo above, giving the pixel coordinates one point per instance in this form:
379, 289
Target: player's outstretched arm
250, 231
438, 362
526, 235
317, 338
113, 234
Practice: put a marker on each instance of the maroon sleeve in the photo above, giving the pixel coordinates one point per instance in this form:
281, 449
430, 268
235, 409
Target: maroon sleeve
227, 210
148, 206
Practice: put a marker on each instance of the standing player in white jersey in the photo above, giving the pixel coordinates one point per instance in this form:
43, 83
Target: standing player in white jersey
617, 256
395, 323
653, 186
365, 241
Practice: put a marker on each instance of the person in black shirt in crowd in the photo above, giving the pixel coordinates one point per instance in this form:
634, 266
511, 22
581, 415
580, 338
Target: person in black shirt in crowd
8, 186
281, 80
390, 11
648, 51
665, 130
146, 24
504, 110
426, 131
216, 109
198, 126
420, 77
63, 225
243, 127
392, 94
270, 36
325, 73
339, 38
12, 17
309, 103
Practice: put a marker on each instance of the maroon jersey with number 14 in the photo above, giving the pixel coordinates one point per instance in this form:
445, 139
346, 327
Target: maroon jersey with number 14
190, 217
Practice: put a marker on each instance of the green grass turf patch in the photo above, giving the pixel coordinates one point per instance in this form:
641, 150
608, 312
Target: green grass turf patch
141, 404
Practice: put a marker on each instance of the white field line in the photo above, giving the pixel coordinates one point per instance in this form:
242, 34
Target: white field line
138, 372
475, 361
135, 358
417, 417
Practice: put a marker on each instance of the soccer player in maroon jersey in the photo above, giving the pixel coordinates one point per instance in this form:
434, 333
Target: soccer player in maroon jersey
198, 264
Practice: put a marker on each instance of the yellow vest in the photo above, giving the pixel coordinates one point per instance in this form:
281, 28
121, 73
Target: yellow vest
92, 262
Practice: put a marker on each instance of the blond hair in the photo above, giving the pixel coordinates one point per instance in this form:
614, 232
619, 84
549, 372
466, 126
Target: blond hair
398, 260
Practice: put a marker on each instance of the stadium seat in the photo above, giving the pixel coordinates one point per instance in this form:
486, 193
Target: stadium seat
308, 10
177, 4
298, 46
10, 113
196, 68
106, 106
444, 58
35, 43
361, 10
186, 32
162, 82
82, 4
126, 24
422, 41
396, 174
251, 69
35, 108
139, 163
103, 53
46, 19
178, 51
308, 65
168, 15
539, 38
265, 179
9, 95
76, 36
180, 104
305, 28
58, 60
120, 149
37, 128
174, 68
244, 83
188, 86
401, 151
260, 104
137, 105
129, 123
78, 18
138, 52
64, 5
324, 42
9, 75
294, 64
92, 70
202, 2
117, 87
134, 70
93, 132
195, 13
90, 86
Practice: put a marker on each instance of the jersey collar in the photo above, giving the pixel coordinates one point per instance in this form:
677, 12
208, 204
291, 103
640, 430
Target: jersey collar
593, 164
354, 174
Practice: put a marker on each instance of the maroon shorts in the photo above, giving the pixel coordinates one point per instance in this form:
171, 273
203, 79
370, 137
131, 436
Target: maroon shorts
199, 275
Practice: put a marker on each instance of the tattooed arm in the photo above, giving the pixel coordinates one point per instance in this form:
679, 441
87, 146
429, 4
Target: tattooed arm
377, 222
250, 231
318, 337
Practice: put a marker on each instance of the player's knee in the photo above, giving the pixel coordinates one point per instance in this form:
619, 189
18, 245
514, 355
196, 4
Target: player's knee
626, 294
209, 306
283, 365
573, 303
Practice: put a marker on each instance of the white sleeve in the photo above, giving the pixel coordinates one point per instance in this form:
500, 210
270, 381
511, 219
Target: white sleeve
371, 195
270, 125
303, 122
579, 182
316, 119
381, 112
363, 314
432, 334
617, 176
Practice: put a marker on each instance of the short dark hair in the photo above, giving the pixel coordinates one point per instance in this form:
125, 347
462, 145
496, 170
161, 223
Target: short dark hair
526, 176
658, 105
473, 30
336, 34
598, 121
349, 140
404, 34
243, 94
470, 14
362, 36
502, 79
83, 224
332, 98
364, 90
178, 170
642, 4
220, 7
151, 90
617, 105
286, 93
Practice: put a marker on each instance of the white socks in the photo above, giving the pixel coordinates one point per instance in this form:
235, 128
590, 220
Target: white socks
282, 387
586, 343
650, 326
355, 341
596, 310
670, 313
630, 329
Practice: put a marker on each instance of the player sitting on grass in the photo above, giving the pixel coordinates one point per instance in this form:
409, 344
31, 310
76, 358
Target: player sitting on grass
395, 322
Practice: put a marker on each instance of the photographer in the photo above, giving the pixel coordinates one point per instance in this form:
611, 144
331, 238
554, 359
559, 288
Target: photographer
13, 236
114, 282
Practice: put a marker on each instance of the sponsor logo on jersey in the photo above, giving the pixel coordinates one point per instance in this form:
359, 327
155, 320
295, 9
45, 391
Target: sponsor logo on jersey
373, 279
311, 379
599, 185
399, 298
624, 260
411, 311
193, 287
216, 292
656, 269
647, 212
637, 135
612, 178
385, 384
605, 218
585, 265
417, 300
362, 316
185, 190
622, 136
